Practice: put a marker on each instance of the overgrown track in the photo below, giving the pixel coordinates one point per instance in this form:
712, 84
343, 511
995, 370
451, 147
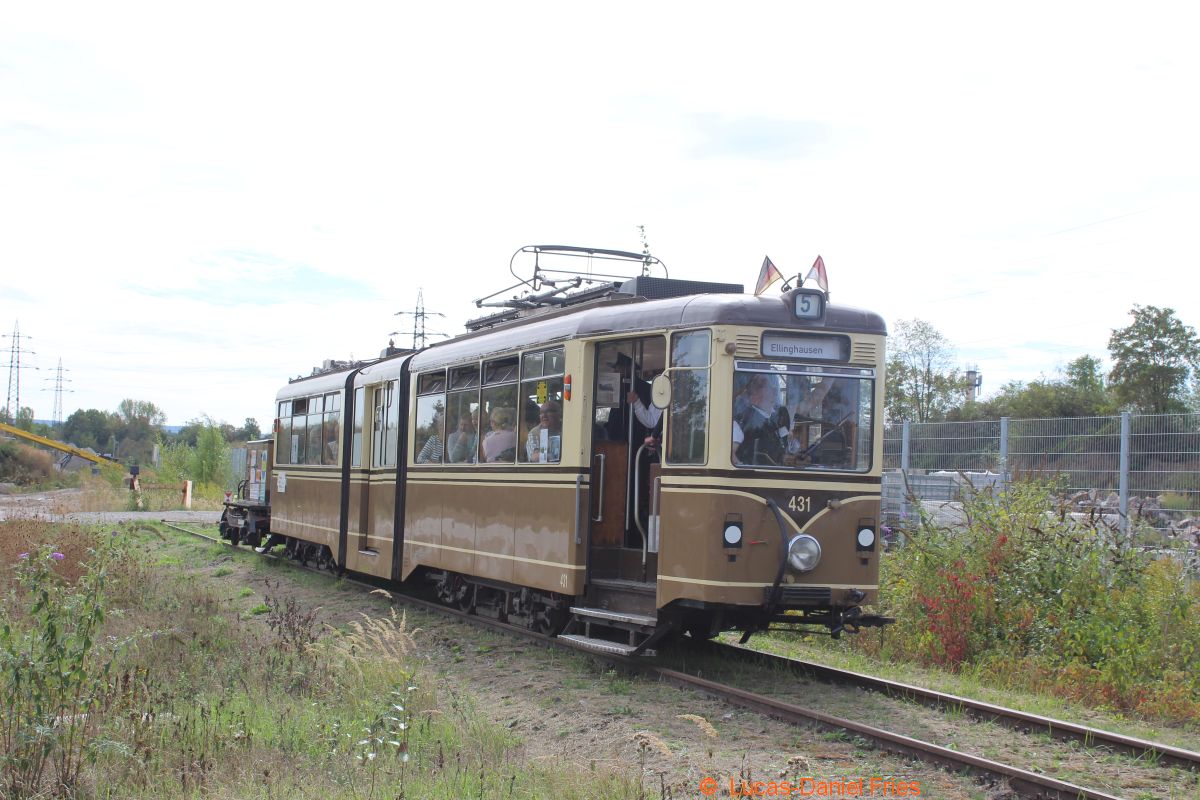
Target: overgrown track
1025, 783
1163, 754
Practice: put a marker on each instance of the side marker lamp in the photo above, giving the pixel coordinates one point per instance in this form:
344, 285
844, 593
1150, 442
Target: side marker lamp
865, 539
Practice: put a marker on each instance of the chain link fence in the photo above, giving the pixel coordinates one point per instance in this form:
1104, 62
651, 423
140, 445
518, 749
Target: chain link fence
1133, 467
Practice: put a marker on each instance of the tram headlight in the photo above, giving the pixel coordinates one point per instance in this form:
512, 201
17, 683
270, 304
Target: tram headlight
804, 553
733, 534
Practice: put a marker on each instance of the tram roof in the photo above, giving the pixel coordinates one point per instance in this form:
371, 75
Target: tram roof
618, 314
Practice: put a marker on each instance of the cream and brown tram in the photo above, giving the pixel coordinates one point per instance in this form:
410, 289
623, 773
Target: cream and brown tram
652, 458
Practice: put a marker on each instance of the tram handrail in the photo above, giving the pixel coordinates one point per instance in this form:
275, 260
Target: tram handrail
599, 517
578, 505
637, 486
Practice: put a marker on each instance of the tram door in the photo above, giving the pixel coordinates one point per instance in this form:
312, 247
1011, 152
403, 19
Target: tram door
625, 460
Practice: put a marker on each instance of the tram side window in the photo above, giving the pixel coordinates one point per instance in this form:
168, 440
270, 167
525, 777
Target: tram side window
332, 429
385, 420
540, 436
498, 412
688, 421
392, 440
283, 432
314, 441
299, 429
431, 417
283, 443
359, 415
462, 416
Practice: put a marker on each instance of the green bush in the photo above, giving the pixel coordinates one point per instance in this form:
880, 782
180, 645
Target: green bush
1024, 591
54, 669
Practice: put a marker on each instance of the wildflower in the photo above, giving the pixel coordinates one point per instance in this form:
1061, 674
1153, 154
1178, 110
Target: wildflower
23, 556
57, 556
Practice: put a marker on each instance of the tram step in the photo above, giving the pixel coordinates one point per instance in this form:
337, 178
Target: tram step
605, 615
602, 645
637, 587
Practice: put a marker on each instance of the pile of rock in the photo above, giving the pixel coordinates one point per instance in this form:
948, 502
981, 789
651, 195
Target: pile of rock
1151, 511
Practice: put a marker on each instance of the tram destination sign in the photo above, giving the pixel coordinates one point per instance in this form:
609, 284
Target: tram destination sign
816, 348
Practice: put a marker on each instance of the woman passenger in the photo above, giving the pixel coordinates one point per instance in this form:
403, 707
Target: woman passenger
500, 443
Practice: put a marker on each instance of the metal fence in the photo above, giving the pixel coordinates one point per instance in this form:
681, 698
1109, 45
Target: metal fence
1134, 466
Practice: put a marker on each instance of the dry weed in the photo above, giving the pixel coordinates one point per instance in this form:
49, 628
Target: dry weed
646, 740
702, 724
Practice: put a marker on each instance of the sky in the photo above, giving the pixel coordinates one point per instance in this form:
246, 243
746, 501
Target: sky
201, 201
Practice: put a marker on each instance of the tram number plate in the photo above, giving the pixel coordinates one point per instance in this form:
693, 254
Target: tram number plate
800, 503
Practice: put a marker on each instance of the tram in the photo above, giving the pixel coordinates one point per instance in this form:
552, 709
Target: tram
617, 463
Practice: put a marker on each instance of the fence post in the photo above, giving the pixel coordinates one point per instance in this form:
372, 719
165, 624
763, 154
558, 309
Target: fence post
905, 434
1123, 480
1004, 454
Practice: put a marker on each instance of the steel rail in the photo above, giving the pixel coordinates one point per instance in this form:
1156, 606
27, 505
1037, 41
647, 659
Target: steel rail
1020, 720
1026, 783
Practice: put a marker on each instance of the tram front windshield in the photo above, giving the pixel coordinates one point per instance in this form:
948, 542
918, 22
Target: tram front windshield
802, 418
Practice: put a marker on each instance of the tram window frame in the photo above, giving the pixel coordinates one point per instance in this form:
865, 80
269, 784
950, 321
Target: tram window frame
299, 437
431, 382
540, 367
283, 440
429, 424
331, 430
464, 401
850, 389
385, 416
500, 370
498, 403
464, 378
360, 416
315, 441
679, 413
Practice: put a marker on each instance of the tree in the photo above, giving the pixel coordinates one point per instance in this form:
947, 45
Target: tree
248, 432
137, 424
1078, 391
91, 428
210, 464
922, 386
1153, 358
24, 419
131, 410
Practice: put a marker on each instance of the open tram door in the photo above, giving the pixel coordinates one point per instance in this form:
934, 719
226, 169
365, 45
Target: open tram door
623, 548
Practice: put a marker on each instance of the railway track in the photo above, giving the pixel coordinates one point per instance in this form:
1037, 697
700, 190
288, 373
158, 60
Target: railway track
1018, 720
1025, 782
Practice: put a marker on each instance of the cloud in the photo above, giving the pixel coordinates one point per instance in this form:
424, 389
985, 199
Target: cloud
757, 138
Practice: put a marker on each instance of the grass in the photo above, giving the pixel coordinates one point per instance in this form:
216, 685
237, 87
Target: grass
221, 699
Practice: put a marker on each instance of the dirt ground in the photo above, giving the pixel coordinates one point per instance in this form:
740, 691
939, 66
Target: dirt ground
58, 505
567, 708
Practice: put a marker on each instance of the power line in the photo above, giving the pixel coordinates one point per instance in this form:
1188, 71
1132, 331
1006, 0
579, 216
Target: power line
58, 392
418, 332
13, 405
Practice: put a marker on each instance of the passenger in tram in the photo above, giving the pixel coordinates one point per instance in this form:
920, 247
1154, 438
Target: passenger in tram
544, 442
500, 443
463, 443
431, 450
764, 421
